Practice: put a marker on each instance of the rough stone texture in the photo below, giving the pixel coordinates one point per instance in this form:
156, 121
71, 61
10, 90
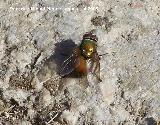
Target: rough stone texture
31, 43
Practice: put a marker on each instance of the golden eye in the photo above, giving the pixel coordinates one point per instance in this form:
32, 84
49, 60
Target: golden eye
91, 49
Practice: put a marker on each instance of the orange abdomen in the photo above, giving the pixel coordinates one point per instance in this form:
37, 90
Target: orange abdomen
81, 68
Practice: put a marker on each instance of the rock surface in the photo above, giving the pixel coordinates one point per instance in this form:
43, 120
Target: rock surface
33, 34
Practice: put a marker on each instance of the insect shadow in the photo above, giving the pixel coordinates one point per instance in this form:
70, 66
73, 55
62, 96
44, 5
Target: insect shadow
63, 50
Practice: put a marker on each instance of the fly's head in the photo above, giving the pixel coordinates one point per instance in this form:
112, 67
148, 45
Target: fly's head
88, 45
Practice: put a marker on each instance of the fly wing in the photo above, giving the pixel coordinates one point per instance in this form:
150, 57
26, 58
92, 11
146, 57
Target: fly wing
95, 66
70, 63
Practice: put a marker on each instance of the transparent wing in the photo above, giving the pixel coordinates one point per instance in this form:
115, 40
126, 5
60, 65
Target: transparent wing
95, 66
69, 64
